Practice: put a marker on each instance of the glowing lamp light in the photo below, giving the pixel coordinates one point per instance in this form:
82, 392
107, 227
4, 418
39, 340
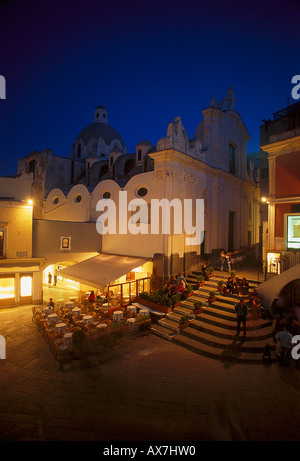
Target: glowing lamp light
263, 199
30, 202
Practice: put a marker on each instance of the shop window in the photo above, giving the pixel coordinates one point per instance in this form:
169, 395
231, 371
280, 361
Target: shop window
7, 287
26, 286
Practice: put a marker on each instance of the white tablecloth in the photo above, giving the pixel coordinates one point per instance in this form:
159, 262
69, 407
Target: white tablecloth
88, 319
52, 318
131, 322
131, 309
60, 327
117, 316
68, 339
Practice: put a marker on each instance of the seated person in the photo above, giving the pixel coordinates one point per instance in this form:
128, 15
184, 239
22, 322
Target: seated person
173, 285
230, 285
92, 297
180, 277
180, 287
204, 271
167, 288
244, 286
51, 304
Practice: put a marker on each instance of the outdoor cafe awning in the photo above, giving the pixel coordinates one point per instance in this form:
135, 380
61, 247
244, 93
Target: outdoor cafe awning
102, 269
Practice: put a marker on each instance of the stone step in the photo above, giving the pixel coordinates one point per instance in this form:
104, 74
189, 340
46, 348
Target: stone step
226, 354
182, 310
218, 329
169, 323
247, 344
162, 331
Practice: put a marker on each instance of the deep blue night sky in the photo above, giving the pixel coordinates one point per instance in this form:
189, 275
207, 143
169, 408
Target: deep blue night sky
146, 61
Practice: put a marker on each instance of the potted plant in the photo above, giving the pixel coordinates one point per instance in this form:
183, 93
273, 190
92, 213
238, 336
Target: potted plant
197, 307
176, 299
184, 321
210, 271
212, 297
200, 281
156, 301
189, 291
220, 286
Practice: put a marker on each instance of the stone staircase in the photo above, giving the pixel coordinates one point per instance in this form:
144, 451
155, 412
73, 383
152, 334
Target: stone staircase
212, 333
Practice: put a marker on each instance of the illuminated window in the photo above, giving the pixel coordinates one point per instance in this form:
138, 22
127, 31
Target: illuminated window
273, 263
26, 286
65, 243
7, 287
293, 231
2, 243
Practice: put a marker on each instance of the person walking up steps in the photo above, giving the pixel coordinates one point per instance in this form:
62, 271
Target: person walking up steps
241, 310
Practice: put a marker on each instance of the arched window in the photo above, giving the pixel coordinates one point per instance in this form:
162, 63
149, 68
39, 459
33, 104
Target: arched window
32, 167
231, 158
79, 150
128, 166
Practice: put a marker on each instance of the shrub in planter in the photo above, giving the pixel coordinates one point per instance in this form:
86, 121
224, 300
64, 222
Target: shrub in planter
210, 271
211, 297
184, 321
197, 307
200, 280
176, 299
220, 286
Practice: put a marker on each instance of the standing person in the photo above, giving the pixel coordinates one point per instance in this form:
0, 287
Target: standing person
55, 277
222, 259
229, 261
241, 310
49, 279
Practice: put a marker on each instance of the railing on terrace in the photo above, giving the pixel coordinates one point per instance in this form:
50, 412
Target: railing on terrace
127, 292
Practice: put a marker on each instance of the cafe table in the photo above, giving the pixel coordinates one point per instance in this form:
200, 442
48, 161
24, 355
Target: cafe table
88, 319
59, 327
52, 318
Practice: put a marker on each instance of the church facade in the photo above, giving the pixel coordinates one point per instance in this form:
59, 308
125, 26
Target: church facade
211, 166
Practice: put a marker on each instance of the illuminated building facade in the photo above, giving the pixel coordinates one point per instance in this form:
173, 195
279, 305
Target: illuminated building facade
20, 272
280, 138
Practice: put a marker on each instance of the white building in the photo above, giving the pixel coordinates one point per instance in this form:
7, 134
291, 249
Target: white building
211, 166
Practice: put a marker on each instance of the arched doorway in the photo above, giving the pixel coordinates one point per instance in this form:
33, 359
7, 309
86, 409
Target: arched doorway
291, 293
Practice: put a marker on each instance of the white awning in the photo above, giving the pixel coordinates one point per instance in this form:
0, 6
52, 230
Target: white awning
272, 288
102, 269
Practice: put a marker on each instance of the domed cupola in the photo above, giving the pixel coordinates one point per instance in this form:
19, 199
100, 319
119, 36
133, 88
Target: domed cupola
98, 139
